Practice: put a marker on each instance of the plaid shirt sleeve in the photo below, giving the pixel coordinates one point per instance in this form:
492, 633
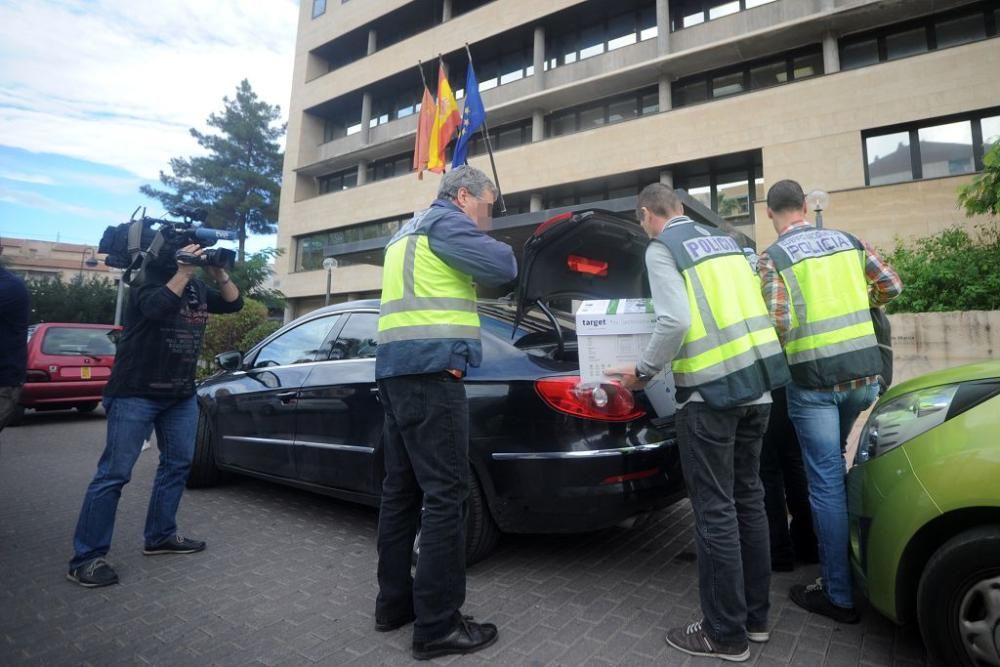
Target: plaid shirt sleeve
884, 283
775, 295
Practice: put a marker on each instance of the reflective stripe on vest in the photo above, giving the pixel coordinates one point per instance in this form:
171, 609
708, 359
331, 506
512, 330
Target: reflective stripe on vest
422, 297
731, 336
824, 273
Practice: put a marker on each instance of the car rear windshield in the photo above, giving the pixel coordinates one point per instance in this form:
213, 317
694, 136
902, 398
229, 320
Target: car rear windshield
74, 341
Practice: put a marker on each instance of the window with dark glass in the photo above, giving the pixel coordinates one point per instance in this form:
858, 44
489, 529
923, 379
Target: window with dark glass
728, 184
603, 112
358, 339
687, 13
937, 31
342, 180
753, 75
301, 345
934, 148
564, 47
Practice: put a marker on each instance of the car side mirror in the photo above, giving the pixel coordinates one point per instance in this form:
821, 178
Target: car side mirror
229, 361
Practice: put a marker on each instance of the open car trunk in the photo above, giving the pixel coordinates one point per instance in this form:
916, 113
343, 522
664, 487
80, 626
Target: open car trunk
590, 254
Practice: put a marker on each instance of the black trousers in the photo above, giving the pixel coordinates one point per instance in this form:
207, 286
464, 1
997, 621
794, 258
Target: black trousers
786, 490
426, 464
720, 456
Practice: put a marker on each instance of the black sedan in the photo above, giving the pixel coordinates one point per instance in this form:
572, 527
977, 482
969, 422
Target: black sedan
548, 455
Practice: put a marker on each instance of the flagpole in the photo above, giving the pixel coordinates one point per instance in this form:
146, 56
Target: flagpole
489, 148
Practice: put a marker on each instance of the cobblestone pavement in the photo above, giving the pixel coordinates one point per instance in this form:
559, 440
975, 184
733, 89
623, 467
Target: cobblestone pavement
289, 579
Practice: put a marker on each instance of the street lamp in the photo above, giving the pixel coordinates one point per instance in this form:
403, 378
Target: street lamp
91, 261
121, 294
329, 264
818, 200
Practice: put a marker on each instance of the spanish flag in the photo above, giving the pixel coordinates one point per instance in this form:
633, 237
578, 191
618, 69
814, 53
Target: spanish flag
446, 120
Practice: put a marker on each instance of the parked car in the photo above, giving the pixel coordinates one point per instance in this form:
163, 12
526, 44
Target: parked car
924, 498
547, 455
68, 366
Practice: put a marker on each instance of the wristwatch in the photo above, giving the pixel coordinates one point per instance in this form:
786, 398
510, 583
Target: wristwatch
642, 377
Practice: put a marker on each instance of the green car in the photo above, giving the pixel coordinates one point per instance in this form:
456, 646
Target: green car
924, 504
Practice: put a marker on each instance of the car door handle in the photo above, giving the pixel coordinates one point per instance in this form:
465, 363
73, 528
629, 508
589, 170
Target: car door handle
287, 396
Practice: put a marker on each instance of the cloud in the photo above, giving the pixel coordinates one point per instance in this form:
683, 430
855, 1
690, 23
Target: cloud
120, 83
35, 200
39, 179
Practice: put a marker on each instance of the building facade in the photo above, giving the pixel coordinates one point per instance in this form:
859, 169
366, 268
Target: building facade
46, 260
888, 106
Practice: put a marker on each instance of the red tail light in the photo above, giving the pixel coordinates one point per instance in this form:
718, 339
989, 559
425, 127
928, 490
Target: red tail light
609, 402
36, 376
592, 267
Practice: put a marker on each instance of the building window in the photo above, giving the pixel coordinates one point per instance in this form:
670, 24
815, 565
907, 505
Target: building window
687, 13
729, 184
949, 146
342, 180
603, 112
319, 8
311, 249
754, 75
502, 137
391, 167
938, 31
615, 32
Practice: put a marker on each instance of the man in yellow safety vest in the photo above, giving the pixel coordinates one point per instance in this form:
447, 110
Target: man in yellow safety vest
819, 285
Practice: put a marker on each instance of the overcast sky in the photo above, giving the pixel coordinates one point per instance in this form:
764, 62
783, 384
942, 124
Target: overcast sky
97, 95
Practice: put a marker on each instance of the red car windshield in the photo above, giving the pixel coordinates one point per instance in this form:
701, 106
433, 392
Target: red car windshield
69, 341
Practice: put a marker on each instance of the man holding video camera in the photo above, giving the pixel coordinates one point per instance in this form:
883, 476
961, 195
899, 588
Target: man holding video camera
151, 385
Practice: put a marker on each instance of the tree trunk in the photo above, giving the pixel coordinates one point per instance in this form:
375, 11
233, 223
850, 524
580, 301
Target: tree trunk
243, 240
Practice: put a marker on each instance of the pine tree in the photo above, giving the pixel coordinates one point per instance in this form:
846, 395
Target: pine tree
239, 182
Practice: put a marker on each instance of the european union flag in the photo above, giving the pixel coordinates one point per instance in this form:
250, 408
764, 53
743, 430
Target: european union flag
473, 115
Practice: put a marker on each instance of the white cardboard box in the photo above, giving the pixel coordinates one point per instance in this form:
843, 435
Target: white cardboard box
611, 332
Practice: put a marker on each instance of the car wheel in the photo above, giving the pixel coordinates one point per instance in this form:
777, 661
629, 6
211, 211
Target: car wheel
958, 600
86, 407
481, 532
203, 472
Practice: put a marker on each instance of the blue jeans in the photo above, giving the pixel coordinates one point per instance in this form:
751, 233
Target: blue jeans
129, 423
823, 420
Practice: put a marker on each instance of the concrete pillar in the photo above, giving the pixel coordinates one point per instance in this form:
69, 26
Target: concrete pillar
362, 172
536, 202
372, 41
663, 27
446, 11
831, 54
666, 94
537, 125
667, 177
289, 312
539, 57
366, 115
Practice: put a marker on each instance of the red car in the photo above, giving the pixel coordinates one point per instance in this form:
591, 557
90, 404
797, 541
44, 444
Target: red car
68, 366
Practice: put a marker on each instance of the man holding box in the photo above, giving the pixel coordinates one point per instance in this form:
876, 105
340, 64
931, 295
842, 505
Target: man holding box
725, 357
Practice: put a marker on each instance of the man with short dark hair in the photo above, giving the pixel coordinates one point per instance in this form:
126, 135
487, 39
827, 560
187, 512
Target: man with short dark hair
725, 358
818, 285
15, 309
428, 337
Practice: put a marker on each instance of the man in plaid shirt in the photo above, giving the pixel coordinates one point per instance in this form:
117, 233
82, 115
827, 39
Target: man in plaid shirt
818, 285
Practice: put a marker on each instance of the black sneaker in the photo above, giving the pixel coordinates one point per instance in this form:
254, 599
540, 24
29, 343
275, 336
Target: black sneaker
812, 598
465, 637
175, 545
693, 640
93, 574
758, 634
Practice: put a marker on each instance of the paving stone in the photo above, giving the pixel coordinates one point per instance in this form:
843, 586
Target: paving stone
289, 579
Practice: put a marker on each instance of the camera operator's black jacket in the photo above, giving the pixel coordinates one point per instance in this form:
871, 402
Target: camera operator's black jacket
158, 351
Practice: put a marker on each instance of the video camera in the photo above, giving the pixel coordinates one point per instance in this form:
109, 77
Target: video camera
145, 241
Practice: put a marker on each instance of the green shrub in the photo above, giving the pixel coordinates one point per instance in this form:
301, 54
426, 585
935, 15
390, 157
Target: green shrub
257, 334
951, 270
224, 333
